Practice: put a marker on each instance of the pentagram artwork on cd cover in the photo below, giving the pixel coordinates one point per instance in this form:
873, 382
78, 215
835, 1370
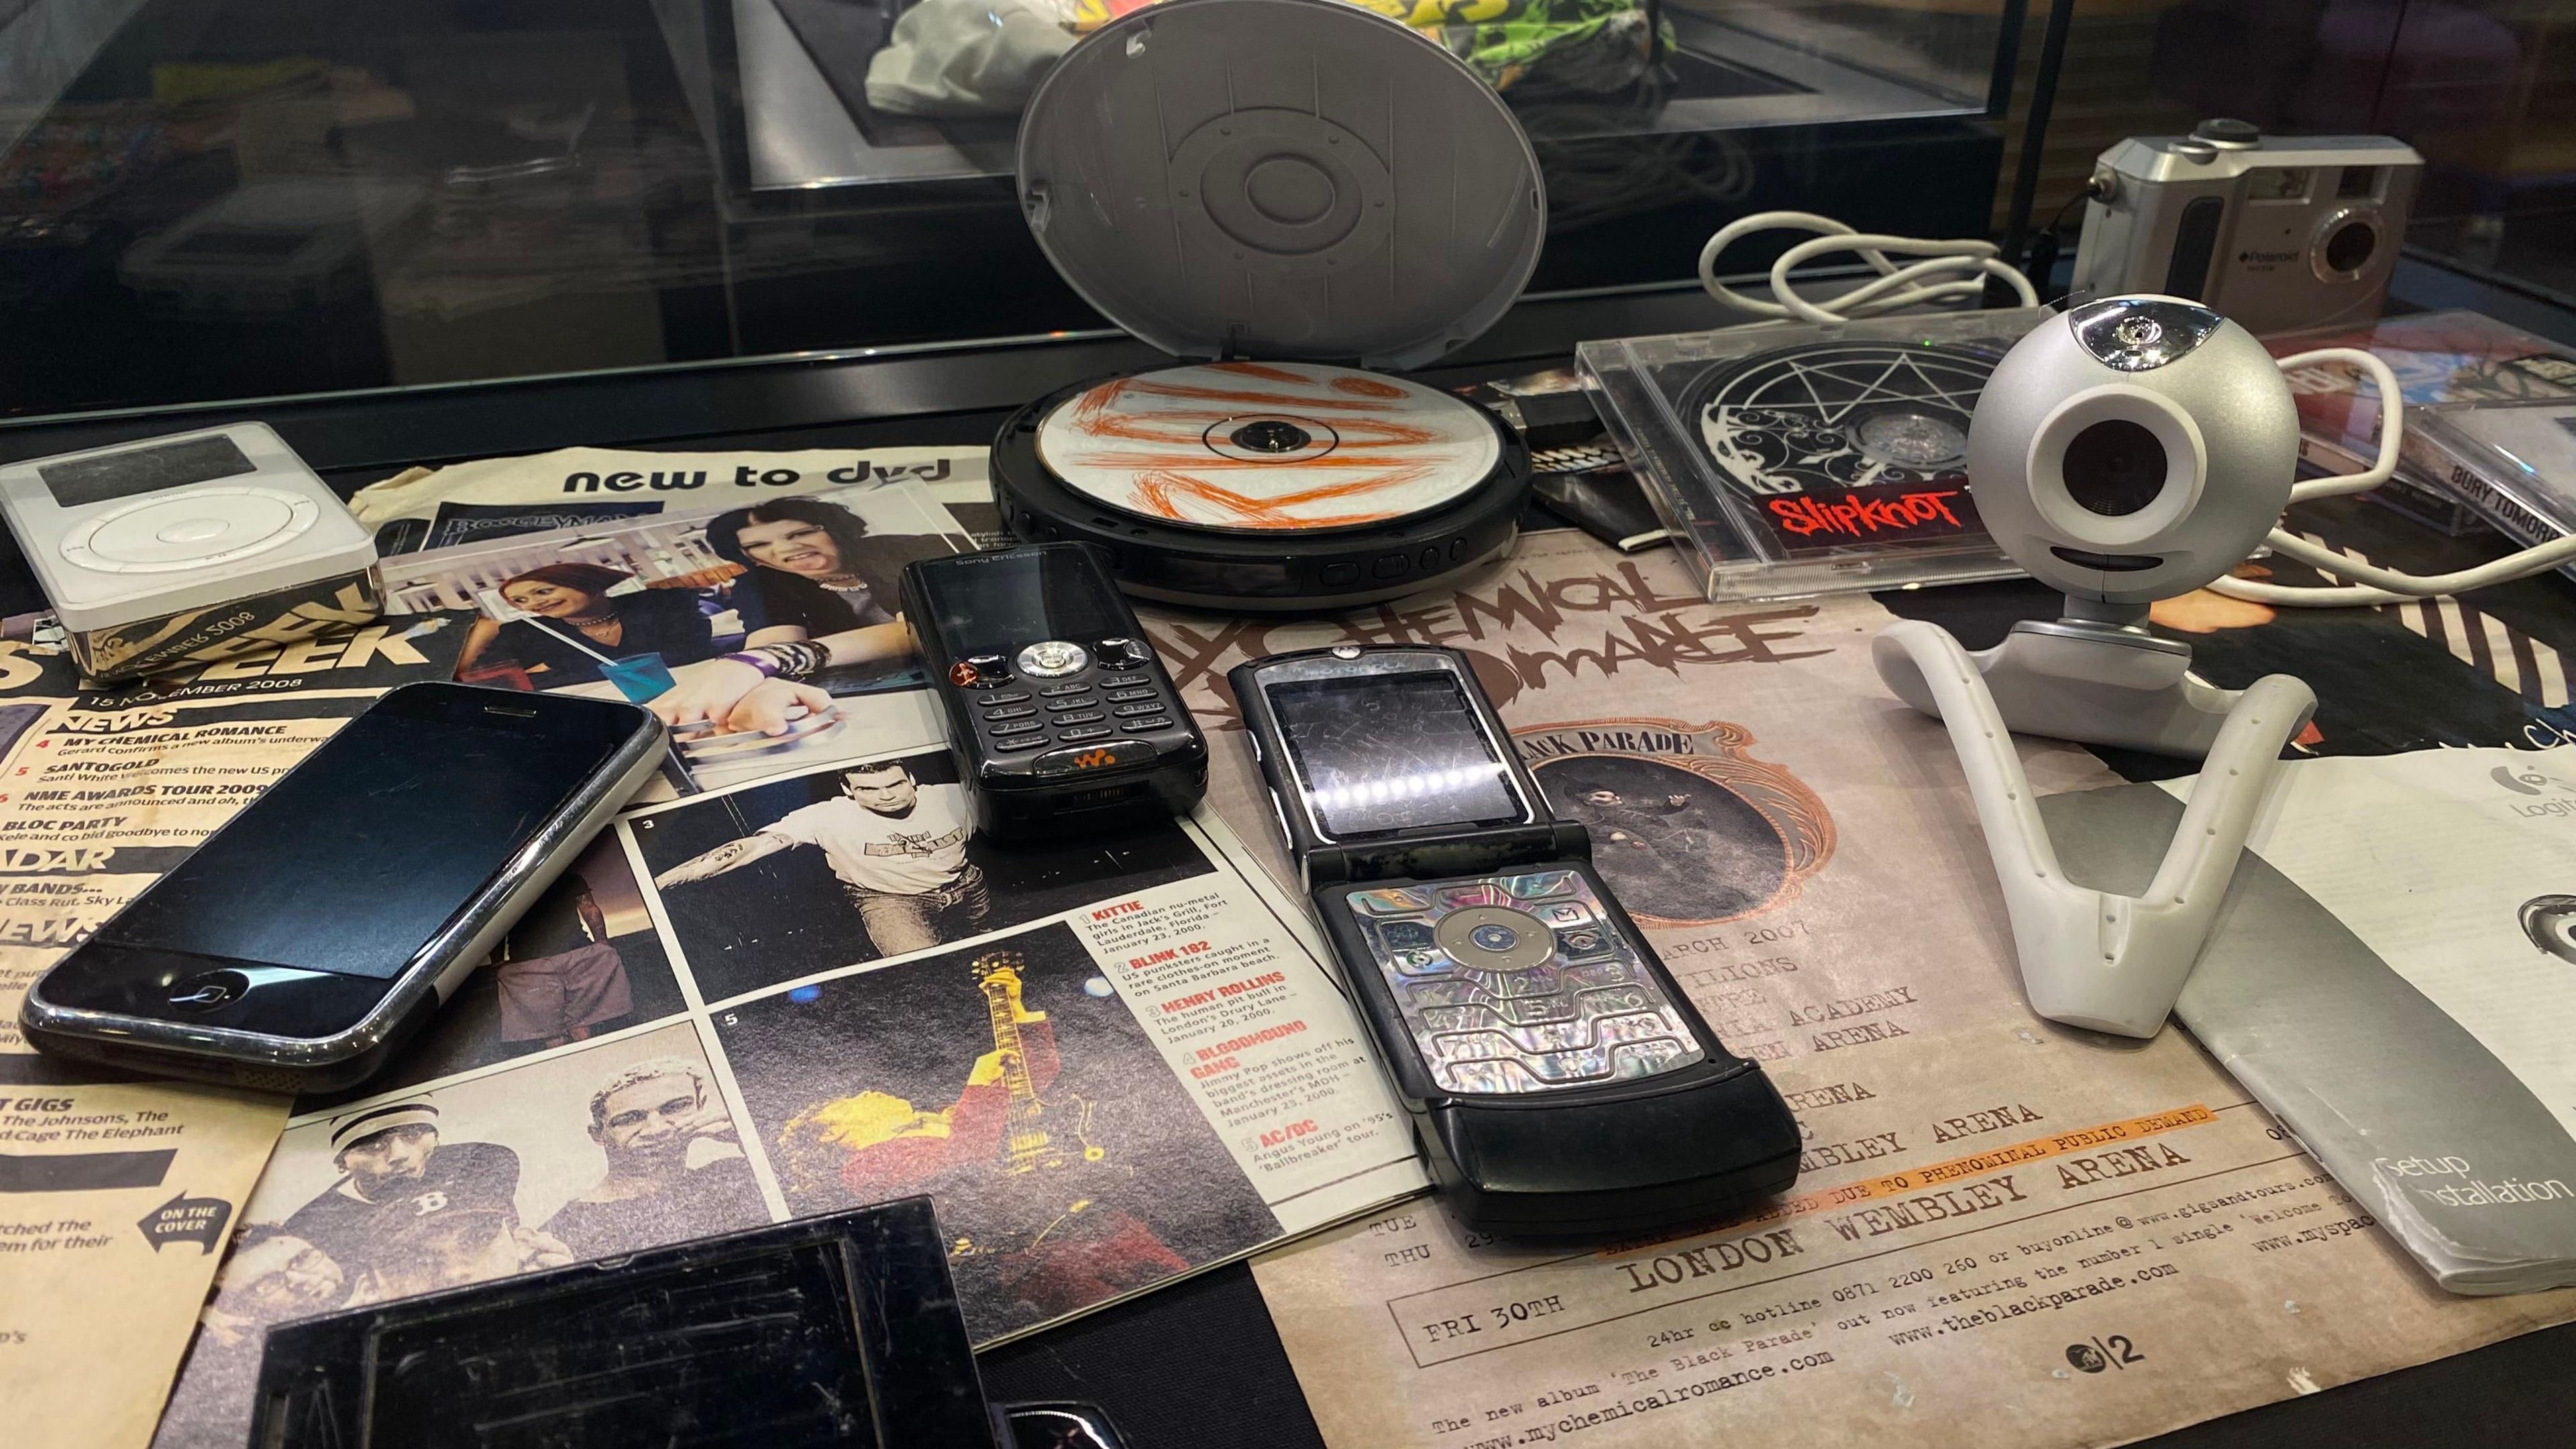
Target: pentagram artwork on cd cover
1837, 443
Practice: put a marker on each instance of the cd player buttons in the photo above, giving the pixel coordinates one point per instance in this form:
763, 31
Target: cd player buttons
1337, 574
1053, 659
1116, 695
1130, 711
1020, 712
1121, 681
1139, 726
1007, 696
1087, 732
1088, 716
1095, 757
1392, 566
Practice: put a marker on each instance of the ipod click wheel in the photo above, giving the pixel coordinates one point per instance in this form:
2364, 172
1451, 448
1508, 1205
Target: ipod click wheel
187, 549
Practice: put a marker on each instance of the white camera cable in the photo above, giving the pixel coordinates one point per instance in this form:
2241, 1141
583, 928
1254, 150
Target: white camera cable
2373, 584
1951, 269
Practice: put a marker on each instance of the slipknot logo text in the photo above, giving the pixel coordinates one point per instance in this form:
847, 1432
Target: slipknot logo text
1803, 516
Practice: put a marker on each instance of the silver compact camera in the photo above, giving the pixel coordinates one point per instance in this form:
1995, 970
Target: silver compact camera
2275, 233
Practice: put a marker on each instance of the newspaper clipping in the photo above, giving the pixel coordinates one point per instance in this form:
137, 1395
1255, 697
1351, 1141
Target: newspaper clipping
118, 1195
648, 608
1109, 1061
2004, 1230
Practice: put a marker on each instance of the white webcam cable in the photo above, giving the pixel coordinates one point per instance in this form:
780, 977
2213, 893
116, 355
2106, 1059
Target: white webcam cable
1951, 270
2372, 584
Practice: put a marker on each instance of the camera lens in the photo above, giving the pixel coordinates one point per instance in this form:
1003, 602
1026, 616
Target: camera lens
2349, 249
2114, 468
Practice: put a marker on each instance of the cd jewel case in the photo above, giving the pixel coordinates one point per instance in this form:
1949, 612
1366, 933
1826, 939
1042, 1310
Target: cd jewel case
1811, 460
2514, 464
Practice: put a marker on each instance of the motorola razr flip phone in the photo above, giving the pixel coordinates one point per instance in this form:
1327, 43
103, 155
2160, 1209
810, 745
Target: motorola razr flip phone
1559, 1081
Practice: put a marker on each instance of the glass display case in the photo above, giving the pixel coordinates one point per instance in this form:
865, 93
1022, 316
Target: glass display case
208, 200
839, 93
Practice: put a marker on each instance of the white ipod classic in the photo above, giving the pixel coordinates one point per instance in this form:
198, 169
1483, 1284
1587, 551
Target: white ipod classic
188, 549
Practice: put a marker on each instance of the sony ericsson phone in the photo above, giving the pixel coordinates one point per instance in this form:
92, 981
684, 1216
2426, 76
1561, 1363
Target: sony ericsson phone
304, 942
1559, 1081
1060, 716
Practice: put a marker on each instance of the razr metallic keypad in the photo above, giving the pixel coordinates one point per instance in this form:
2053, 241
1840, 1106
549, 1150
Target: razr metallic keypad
1520, 983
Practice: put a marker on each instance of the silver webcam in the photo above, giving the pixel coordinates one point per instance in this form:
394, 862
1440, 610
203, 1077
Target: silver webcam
2275, 232
2133, 449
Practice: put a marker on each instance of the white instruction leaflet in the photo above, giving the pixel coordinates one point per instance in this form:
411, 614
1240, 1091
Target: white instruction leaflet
2392, 974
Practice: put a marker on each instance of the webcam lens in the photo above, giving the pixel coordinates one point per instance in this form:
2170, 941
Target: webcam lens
2349, 249
2114, 468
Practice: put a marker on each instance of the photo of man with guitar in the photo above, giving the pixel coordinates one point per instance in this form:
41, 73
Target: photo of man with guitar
1009, 1083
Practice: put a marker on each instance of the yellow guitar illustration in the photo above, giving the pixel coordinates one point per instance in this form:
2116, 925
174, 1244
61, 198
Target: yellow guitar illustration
1038, 1135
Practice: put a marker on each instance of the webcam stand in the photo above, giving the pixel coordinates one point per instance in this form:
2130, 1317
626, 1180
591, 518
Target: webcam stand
2093, 958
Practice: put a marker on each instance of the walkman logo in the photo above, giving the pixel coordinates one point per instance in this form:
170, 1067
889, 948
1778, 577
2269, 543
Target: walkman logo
1094, 759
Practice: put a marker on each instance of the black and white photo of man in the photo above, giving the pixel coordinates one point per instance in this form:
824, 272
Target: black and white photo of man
895, 868
898, 847
675, 1170
387, 1155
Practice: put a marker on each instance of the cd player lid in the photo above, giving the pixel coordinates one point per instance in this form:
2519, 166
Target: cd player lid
1293, 179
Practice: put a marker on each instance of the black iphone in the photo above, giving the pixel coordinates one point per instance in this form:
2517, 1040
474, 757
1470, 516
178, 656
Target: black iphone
319, 929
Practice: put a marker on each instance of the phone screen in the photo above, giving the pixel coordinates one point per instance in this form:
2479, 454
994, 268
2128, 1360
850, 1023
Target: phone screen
360, 854
1000, 603
1383, 752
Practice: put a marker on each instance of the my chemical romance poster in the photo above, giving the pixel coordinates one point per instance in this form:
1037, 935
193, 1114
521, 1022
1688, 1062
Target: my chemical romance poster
2004, 1230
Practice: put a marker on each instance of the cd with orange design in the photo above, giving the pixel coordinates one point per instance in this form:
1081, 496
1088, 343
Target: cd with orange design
1319, 203
1269, 446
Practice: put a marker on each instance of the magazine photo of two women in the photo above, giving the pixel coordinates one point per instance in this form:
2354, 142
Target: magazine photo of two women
767, 636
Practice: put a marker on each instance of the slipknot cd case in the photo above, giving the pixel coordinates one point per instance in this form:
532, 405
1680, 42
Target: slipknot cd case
1802, 460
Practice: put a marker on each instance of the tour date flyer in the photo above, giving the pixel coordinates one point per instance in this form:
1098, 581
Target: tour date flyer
2003, 1230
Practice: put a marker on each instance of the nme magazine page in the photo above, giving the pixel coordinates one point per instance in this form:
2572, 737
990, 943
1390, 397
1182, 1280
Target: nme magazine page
426, 508
800, 982
118, 1195
2004, 1231
1109, 1063
645, 607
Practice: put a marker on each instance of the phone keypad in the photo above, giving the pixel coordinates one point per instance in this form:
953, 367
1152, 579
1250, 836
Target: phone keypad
1112, 689
1520, 983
